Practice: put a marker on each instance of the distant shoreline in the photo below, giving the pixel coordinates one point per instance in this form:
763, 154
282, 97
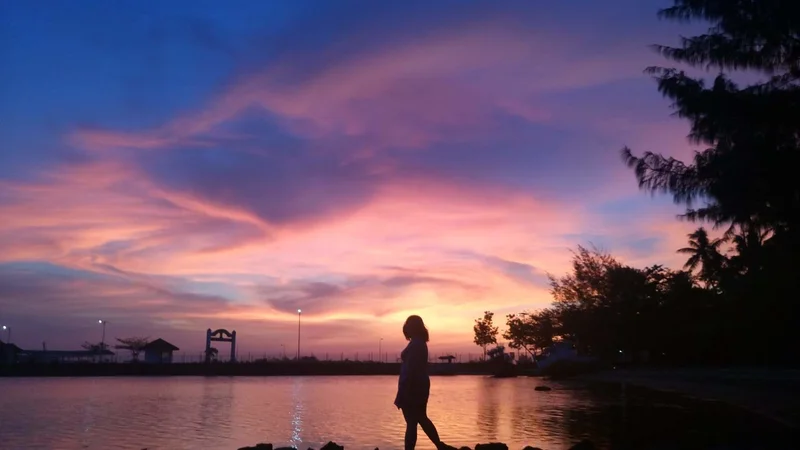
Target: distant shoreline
322, 368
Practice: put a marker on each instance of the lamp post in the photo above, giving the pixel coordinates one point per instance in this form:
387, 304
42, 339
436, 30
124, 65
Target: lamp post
283, 351
380, 345
299, 313
8, 334
103, 338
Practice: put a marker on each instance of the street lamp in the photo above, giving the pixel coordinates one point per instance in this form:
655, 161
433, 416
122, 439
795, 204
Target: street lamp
380, 342
103, 339
283, 351
299, 313
8, 334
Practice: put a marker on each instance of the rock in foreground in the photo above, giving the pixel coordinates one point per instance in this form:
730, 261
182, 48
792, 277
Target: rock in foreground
492, 446
332, 446
258, 447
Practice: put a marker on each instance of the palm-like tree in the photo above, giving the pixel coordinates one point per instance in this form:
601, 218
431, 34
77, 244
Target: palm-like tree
748, 244
135, 345
704, 253
211, 354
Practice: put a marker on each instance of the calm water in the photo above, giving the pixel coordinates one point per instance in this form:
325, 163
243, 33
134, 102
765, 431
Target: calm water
226, 413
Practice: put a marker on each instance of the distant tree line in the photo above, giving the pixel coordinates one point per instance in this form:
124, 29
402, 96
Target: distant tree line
735, 300
605, 307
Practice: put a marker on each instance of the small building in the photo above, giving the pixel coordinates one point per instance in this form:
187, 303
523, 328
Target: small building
448, 358
159, 352
8, 353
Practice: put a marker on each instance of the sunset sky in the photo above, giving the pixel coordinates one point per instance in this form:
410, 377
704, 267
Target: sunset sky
171, 166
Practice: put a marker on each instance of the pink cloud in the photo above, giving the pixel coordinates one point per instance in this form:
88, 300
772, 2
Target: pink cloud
107, 220
419, 245
73, 214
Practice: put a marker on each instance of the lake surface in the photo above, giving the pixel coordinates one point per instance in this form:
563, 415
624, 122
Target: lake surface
227, 413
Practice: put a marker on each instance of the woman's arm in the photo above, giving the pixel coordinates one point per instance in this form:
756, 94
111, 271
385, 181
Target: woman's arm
402, 382
417, 361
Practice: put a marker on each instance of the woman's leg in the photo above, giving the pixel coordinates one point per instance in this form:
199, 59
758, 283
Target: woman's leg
412, 416
428, 427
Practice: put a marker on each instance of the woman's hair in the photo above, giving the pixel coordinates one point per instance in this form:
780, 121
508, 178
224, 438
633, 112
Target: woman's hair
415, 328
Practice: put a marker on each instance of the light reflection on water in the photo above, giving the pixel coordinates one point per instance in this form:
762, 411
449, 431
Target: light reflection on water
228, 413
297, 419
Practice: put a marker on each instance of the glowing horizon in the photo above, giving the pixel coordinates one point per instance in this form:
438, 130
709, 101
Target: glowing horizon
172, 170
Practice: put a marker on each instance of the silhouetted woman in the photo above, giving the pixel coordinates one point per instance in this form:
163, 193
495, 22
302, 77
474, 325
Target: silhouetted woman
414, 386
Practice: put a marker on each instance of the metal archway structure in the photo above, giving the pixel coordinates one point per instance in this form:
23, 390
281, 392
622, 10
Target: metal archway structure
220, 335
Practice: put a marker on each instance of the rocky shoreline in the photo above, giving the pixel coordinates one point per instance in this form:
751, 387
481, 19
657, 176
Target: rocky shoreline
583, 445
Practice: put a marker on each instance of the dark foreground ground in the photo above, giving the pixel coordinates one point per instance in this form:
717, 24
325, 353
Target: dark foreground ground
645, 418
770, 393
699, 408
584, 445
